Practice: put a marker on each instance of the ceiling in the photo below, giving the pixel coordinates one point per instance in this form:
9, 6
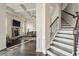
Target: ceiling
23, 9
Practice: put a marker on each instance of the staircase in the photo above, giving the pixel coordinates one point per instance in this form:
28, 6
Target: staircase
62, 45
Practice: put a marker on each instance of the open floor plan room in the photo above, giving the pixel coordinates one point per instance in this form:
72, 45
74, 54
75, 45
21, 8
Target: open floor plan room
39, 29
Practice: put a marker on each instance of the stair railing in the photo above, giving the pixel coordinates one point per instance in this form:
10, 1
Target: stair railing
53, 27
76, 34
75, 31
69, 14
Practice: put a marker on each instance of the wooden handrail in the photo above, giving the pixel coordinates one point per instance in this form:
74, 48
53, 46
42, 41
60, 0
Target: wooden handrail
70, 14
54, 21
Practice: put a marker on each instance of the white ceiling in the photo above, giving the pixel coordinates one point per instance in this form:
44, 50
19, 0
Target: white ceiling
24, 9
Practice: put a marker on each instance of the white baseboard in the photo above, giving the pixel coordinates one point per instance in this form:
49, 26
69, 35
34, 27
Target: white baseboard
38, 50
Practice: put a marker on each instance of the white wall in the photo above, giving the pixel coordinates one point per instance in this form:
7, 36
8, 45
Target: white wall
47, 25
63, 6
39, 27
2, 27
71, 8
43, 21
56, 13
42, 28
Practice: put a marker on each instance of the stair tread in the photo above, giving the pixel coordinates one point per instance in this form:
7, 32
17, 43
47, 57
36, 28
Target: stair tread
50, 53
55, 52
65, 32
67, 26
65, 36
66, 41
67, 29
61, 51
64, 45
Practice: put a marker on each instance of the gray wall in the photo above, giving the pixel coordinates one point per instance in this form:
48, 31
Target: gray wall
2, 27
71, 8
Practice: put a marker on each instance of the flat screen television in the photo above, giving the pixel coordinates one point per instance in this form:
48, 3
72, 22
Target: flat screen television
16, 23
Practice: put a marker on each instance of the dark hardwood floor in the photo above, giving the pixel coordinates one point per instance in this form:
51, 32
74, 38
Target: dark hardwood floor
17, 41
26, 48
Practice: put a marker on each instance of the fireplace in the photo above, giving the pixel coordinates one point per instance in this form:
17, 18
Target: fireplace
15, 28
15, 32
